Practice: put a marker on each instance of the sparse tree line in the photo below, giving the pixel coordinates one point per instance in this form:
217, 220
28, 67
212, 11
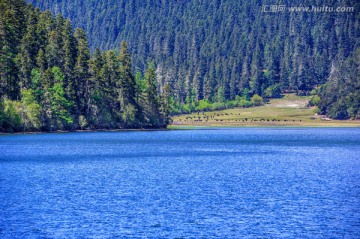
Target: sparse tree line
49, 80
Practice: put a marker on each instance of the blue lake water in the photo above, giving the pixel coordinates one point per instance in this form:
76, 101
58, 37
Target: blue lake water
210, 183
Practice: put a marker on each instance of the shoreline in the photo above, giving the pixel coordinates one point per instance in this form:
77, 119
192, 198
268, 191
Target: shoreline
82, 131
337, 124
195, 127
300, 124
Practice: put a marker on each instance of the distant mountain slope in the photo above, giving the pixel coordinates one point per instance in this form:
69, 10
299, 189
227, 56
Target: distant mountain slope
217, 48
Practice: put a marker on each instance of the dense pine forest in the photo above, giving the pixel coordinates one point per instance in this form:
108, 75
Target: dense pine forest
145, 60
218, 53
50, 81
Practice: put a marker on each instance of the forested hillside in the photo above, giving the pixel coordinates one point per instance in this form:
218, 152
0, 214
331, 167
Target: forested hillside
340, 96
49, 81
214, 50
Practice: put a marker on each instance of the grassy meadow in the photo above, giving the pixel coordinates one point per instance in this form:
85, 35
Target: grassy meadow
291, 110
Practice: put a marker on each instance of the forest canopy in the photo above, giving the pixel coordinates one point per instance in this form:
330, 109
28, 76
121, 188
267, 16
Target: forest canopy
50, 81
217, 49
146, 60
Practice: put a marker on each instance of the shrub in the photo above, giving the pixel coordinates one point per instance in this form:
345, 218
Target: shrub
204, 105
12, 120
273, 91
256, 100
186, 108
30, 110
244, 103
217, 106
231, 104
314, 100
82, 122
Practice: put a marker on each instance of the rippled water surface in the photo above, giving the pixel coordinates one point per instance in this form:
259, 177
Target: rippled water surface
210, 183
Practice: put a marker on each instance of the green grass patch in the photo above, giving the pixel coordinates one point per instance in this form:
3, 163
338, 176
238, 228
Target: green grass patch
291, 110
